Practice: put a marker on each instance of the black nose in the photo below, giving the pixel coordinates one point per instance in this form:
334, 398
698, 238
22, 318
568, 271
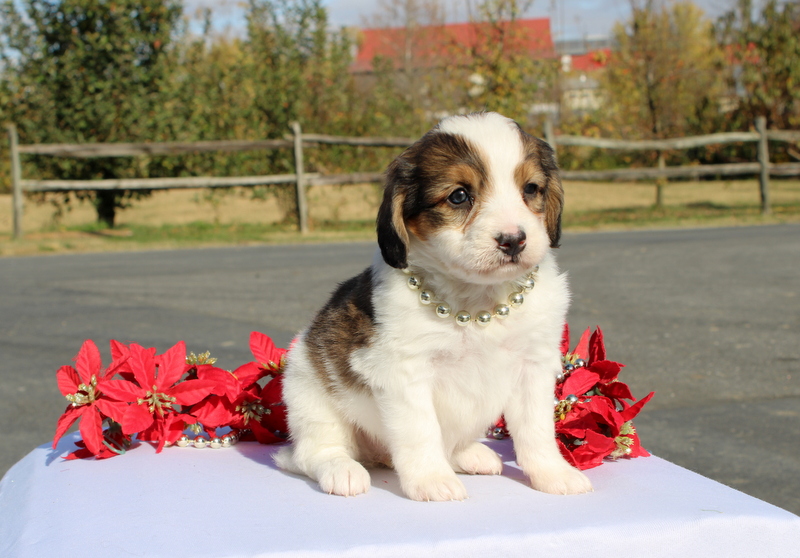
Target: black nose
511, 244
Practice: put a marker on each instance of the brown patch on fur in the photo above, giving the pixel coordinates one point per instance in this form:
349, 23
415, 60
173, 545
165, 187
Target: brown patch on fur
345, 323
442, 163
540, 168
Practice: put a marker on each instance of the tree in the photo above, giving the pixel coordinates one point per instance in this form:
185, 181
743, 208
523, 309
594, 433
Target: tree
765, 56
663, 79
87, 70
508, 76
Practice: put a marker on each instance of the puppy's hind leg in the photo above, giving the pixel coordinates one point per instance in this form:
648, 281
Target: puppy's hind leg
324, 446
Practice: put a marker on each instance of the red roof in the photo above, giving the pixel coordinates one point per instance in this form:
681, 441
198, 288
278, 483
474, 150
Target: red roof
429, 45
591, 61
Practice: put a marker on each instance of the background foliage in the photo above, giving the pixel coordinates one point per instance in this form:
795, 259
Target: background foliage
119, 70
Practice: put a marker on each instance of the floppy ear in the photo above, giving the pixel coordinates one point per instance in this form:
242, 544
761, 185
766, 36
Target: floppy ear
392, 233
553, 207
553, 194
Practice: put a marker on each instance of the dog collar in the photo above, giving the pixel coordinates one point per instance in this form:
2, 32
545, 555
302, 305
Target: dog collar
463, 318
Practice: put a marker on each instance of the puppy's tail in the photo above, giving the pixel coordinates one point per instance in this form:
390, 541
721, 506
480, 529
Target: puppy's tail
285, 460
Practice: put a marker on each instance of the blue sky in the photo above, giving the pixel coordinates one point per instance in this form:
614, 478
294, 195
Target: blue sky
570, 18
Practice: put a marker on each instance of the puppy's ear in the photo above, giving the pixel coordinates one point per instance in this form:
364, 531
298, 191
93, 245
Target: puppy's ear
553, 195
553, 207
392, 233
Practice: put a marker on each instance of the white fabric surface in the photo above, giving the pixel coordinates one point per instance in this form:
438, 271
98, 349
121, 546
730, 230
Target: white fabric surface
234, 502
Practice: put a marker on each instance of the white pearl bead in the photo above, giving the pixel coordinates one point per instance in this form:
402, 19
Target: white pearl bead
200, 442
414, 283
443, 310
516, 300
226, 441
425, 297
463, 318
183, 441
502, 311
483, 318
215, 443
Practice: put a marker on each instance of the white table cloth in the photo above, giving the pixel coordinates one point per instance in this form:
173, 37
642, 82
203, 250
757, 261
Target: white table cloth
234, 502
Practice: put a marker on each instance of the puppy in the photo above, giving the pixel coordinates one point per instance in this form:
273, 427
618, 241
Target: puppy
457, 321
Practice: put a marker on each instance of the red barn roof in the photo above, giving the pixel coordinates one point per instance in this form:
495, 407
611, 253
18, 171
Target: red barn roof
591, 61
429, 45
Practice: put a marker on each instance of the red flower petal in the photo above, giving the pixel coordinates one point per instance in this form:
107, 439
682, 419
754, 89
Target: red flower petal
92, 430
594, 449
137, 418
66, 420
248, 374
607, 370
225, 383
143, 365
171, 365
213, 412
579, 382
582, 348
263, 435
123, 390
114, 410
263, 348
88, 361
597, 347
119, 350
616, 390
191, 391
68, 380
630, 412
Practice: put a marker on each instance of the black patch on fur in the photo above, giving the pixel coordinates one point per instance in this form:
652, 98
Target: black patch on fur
345, 323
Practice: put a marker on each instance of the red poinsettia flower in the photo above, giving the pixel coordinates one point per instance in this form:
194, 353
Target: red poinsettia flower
85, 387
239, 402
593, 418
155, 392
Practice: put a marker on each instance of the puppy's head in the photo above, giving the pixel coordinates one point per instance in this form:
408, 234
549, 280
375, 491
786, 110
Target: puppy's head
476, 197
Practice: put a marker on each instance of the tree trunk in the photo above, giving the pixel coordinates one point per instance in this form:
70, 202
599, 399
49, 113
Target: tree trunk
106, 205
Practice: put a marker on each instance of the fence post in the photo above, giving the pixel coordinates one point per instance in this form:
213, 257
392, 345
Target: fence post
660, 181
302, 205
549, 136
16, 180
763, 161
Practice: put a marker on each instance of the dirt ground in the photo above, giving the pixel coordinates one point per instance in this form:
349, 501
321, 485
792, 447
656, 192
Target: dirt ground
359, 202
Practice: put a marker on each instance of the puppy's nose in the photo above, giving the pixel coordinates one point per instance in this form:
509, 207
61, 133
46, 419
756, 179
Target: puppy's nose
511, 244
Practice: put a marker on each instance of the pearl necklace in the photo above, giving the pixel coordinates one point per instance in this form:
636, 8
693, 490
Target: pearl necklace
483, 318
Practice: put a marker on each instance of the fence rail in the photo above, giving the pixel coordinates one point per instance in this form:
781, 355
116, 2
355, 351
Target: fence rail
302, 180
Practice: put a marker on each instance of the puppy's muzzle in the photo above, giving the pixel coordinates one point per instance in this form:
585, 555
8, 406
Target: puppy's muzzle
511, 244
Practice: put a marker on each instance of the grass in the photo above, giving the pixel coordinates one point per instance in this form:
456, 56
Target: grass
178, 220
702, 214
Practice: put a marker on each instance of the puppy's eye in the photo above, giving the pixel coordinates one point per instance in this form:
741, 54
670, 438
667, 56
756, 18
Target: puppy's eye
531, 188
458, 196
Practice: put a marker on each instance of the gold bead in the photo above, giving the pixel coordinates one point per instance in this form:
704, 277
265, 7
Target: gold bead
502, 311
443, 310
483, 318
414, 283
463, 318
516, 300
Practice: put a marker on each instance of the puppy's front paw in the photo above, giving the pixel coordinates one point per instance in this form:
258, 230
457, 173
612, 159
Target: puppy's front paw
478, 459
560, 479
439, 487
343, 476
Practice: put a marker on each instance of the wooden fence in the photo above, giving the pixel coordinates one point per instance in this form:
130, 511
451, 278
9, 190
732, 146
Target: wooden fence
302, 180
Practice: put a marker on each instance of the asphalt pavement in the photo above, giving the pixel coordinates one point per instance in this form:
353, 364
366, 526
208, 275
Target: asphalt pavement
709, 319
